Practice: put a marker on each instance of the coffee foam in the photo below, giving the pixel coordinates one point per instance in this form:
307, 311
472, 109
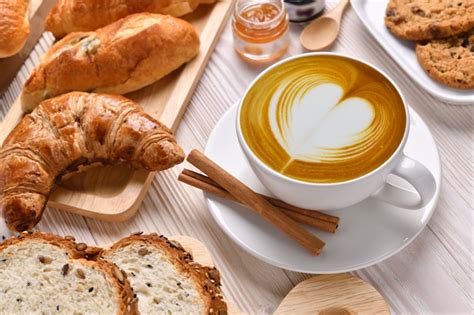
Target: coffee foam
323, 119
313, 131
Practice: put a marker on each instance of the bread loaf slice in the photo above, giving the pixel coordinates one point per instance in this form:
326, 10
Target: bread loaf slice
43, 273
119, 58
165, 277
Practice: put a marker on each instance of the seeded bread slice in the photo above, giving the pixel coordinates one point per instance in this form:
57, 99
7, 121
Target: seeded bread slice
45, 273
165, 277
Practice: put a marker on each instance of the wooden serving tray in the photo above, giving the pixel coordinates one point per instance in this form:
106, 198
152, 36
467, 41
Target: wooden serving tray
115, 193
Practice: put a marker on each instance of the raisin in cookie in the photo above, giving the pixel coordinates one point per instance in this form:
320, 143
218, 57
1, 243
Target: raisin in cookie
429, 19
450, 60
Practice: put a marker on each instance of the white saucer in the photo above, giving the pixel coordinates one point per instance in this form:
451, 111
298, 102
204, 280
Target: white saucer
369, 232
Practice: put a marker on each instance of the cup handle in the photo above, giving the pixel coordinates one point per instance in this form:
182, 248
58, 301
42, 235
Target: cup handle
417, 175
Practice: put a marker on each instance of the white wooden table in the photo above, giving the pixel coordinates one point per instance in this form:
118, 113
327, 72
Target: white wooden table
432, 275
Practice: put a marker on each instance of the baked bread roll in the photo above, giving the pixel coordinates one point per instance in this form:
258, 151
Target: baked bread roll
14, 26
65, 133
69, 16
165, 278
119, 58
47, 274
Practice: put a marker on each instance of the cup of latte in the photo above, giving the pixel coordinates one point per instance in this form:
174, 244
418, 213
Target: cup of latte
324, 130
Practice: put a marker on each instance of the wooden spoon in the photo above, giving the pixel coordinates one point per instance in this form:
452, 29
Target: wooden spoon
322, 32
337, 294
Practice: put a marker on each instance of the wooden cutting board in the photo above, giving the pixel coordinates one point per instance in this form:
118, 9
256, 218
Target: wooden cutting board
336, 294
201, 255
115, 193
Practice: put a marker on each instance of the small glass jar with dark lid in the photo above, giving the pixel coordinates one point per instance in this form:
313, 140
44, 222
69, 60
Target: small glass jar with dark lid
300, 11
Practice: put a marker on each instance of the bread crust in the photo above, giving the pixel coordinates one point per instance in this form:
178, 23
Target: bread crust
14, 26
69, 16
119, 58
69, 131
89, 256
207, 279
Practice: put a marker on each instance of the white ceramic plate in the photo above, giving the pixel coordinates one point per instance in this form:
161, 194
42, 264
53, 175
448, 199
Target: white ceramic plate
372, 13
369, 232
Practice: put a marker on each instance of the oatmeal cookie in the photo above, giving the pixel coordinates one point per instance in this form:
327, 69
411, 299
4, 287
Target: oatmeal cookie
450, 60
429, 19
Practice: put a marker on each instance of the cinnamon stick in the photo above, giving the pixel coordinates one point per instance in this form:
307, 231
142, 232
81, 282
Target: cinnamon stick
208, 185
312, 213
276, 202
264, 208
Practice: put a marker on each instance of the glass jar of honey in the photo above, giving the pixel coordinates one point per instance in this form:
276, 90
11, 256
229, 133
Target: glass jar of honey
260, 29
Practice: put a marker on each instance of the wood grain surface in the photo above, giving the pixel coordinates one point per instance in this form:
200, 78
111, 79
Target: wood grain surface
431, 275
338, 294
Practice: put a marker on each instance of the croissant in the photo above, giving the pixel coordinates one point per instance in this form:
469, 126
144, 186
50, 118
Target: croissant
73, 130
88, 15
14, 26
119, 58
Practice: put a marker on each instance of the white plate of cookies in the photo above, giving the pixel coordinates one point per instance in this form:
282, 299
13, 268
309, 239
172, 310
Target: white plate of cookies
433, 42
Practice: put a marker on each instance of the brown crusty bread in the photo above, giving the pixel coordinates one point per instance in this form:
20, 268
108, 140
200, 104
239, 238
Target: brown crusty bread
14, 26
70, 131
119, 58
45, 273
69, 16
165, 277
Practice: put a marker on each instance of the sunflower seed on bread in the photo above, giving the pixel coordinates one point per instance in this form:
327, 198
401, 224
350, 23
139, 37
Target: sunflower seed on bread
165, 277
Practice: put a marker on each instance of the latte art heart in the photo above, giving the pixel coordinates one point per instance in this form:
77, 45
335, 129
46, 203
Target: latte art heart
323, 119
322, 130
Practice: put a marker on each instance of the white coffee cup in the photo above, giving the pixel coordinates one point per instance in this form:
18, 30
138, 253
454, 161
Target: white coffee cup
330, 196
